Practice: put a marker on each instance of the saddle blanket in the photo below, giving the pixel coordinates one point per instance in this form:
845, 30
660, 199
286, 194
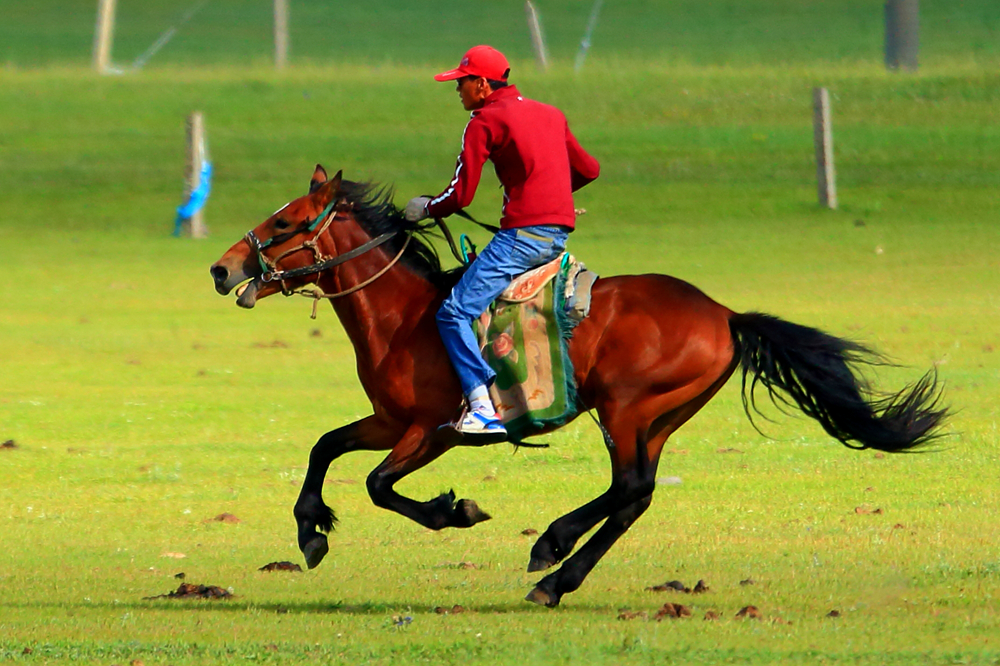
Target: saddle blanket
524, 337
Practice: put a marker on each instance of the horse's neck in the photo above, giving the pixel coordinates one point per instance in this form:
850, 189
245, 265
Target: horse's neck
387, 309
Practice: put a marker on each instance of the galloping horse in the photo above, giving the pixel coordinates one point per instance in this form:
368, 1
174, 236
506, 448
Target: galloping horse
652, 352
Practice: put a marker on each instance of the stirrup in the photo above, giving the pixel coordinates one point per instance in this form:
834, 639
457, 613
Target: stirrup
476, 428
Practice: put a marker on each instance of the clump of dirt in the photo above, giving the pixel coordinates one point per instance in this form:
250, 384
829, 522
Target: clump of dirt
749, 612
675, 611
341, 482
899, 526
316, 333
9, 444
195, 591
833, 613
748, 581
224, 518
280, 566
454, 610
531, 531
458, 565
865, 510
711, 616
276, 344
700, 588
624, 614
670, 585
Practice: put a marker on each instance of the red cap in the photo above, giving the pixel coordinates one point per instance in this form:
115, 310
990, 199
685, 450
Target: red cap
479, 61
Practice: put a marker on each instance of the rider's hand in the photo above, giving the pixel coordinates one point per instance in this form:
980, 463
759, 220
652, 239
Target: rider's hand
416, 209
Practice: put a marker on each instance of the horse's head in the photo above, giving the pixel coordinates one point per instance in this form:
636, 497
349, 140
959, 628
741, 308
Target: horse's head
287, 240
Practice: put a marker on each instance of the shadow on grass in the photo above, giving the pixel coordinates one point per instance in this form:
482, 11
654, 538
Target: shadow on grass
310, 608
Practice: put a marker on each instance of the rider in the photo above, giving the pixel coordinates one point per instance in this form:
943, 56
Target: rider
540, 164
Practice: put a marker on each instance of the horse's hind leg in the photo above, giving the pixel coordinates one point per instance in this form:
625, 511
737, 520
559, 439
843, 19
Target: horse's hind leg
635, 454
418, 447
311, 512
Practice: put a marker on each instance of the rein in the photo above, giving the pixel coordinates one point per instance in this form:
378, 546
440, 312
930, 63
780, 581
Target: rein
321, 262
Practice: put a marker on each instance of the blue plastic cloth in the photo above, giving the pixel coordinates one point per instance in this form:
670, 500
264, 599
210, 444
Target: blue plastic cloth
197, 198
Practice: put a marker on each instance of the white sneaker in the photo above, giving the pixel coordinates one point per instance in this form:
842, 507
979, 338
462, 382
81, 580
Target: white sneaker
475, 423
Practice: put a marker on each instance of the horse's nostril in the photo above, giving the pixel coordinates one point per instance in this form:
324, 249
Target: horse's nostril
220, 274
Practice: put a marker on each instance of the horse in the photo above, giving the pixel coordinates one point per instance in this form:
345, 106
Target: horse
653, 351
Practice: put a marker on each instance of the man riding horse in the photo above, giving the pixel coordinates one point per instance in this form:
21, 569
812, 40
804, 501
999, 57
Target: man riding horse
651, 353
540, 164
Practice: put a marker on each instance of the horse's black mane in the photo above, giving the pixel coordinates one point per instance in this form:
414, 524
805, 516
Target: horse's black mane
377, 214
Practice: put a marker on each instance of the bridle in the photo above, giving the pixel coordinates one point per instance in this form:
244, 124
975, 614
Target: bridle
321, 262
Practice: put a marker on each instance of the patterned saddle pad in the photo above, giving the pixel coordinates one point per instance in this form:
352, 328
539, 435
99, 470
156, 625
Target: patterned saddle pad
524, 337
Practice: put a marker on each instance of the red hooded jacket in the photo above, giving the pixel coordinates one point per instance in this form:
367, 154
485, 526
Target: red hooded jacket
536, 157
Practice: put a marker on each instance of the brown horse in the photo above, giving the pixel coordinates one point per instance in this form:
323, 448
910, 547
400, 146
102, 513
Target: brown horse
652, 352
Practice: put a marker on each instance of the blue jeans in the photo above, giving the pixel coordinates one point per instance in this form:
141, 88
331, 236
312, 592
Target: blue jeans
510, 253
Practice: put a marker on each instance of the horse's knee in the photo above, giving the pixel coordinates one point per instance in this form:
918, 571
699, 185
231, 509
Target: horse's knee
378, 489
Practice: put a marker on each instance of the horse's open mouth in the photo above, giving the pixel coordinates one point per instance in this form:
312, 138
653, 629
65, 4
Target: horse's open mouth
246, 294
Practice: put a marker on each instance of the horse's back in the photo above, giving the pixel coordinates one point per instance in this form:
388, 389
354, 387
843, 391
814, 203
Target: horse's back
653, 327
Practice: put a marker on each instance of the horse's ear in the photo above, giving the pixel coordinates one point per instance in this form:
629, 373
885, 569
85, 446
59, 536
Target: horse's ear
319, 177
327, 191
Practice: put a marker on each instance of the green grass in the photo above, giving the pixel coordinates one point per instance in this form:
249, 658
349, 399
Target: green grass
719, 32
144, 404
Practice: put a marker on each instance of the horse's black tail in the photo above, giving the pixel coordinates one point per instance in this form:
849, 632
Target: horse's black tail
818, 373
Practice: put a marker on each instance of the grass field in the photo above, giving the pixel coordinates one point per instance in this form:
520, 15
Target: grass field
142, 404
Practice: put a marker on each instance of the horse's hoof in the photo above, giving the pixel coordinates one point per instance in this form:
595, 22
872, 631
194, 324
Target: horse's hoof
315, 551
542, 598
538, 564
470, 513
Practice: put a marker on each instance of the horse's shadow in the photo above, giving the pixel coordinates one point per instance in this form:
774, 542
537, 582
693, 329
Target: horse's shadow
237, 605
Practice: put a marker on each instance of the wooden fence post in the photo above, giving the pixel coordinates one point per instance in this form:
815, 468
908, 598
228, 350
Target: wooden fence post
902, 34
826, 175
195, 226
537, 39
104, 34
280, 33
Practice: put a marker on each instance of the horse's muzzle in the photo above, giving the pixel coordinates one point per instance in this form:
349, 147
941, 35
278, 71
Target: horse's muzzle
220, 274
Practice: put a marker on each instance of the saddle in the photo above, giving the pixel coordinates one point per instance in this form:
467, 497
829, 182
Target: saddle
524, 337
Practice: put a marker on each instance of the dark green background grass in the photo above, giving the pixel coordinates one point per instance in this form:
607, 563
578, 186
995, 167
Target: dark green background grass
144, 404
729, 32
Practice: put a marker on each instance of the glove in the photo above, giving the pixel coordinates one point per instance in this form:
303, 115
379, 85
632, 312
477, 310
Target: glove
416, 209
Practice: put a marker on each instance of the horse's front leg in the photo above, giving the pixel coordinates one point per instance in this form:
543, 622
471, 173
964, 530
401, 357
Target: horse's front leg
418, 447
311, 512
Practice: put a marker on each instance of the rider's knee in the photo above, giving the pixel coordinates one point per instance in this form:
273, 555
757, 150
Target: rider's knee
449, 312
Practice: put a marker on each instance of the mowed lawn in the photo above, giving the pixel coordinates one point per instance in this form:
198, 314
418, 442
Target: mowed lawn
142, 405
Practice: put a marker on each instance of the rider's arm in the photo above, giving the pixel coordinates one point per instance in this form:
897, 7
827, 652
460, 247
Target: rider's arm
583, 167
468, 170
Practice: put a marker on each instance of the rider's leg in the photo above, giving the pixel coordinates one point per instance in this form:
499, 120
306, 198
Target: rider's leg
510, 253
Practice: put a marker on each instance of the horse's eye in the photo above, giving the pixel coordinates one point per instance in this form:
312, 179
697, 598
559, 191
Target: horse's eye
281, 224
